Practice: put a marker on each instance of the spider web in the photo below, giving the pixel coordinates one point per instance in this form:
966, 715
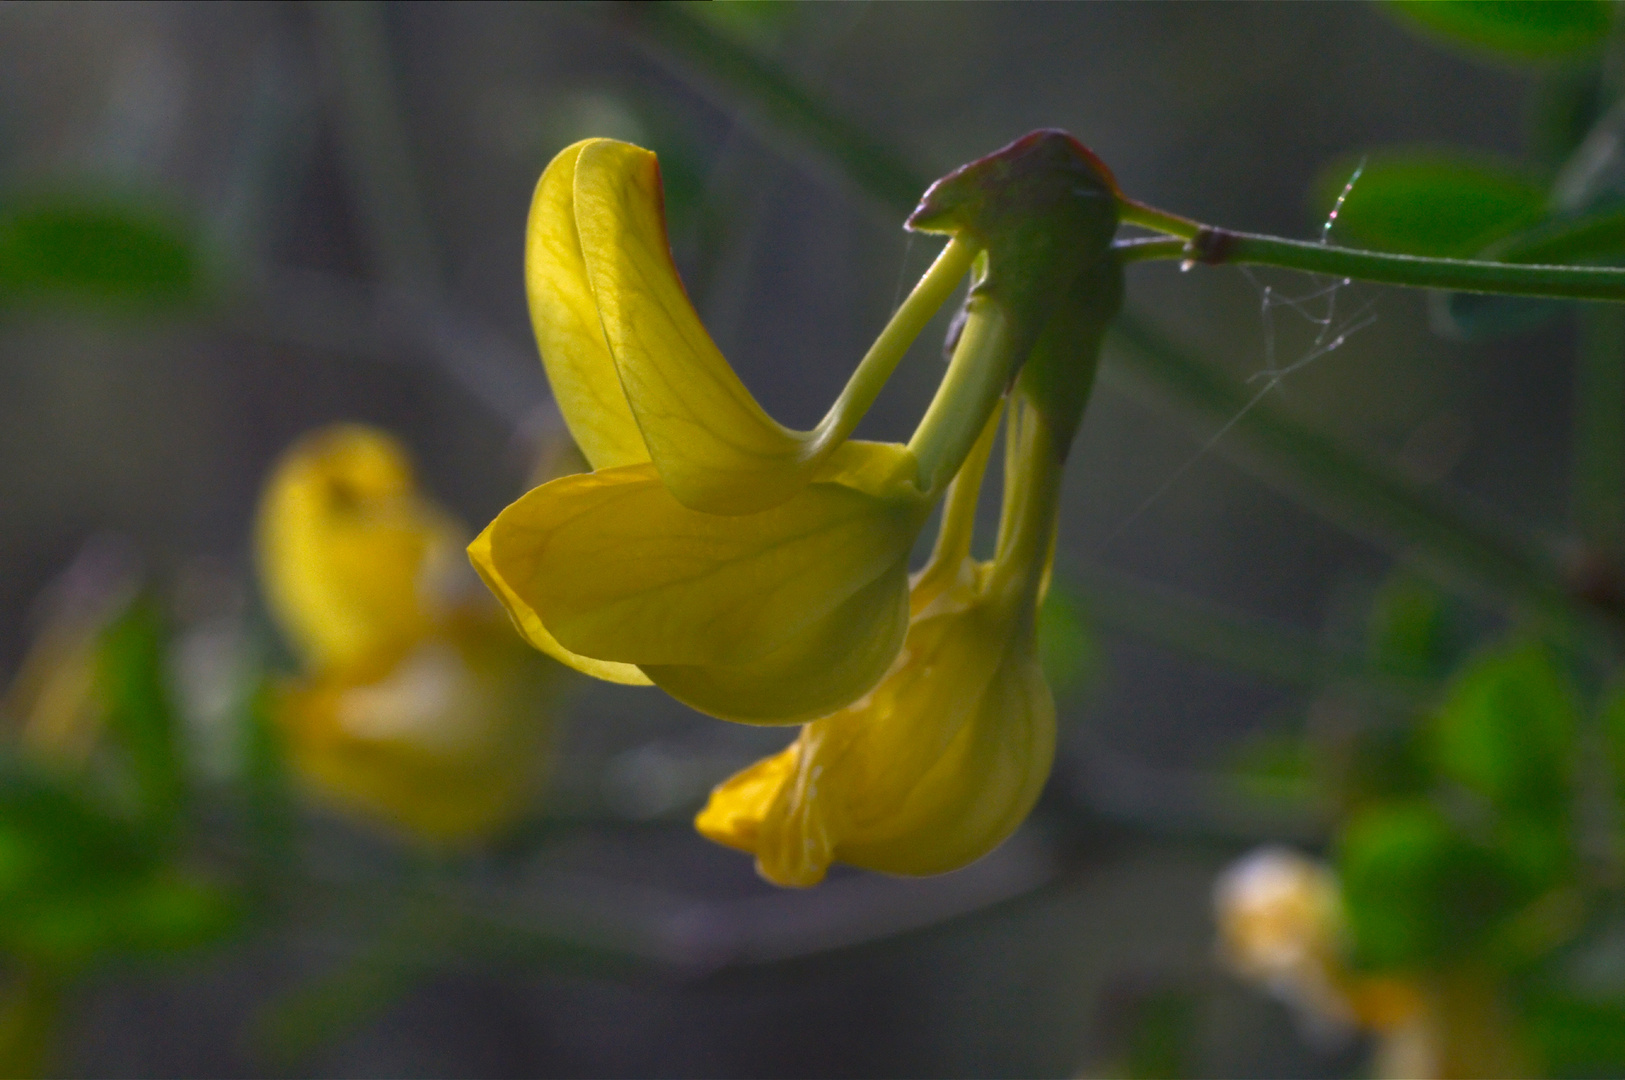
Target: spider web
1332, 329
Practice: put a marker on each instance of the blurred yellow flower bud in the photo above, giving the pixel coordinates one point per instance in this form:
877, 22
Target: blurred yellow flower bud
417, 708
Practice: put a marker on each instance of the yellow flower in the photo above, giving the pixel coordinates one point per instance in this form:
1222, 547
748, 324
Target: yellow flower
348, 549
418, 708
943, 759
754, 572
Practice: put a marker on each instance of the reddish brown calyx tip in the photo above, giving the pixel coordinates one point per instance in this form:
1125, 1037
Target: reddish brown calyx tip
1040, 169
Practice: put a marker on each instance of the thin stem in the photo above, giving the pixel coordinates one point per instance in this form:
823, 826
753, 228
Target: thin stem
905, 325
1146, 248
1217, 247
976, 379
959, 509
1032, 499
1133, 212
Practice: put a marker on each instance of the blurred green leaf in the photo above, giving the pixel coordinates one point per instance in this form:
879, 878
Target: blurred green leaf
1275, 767
1526, 30
1430, 202
140, 713
1506, 731
1577, 1036
91, 250
757, 23
1417, 891
1065, 648
159, 912
1415, 630
1591, 237
53, 839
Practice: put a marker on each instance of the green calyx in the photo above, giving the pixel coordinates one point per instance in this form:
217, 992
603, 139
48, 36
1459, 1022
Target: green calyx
1042, 212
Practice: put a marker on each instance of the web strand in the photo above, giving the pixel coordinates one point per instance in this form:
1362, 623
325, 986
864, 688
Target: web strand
1318, 308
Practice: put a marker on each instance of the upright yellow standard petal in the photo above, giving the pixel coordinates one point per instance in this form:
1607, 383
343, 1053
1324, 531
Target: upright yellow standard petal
564, 312
715, 448
344, 544
771, 617
930, 771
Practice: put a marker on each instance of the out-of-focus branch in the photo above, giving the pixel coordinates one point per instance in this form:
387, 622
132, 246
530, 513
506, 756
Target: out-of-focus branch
330, 314
408, 308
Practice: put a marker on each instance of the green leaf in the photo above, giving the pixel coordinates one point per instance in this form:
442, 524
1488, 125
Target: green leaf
140, 713
1418, 893
54, 840
1428, 202
1506, 731
1577, 1036
163, 911
92, 251
1523, 30
1415, 632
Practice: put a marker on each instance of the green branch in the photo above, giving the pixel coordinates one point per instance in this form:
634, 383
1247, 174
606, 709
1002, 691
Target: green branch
1213, 246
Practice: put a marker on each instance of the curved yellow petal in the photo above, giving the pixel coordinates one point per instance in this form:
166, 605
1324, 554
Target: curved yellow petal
766, 618
831, 662
530, 627
618, 569
979, 791
344, 542
930, 771
565, 316
715, 447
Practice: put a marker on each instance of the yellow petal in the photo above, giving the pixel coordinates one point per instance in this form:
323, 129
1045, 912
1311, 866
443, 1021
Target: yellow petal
715, 447
979, 791
530, 627
930, 771
565, 316
790, 611
831, 662
738, 805
446, 744
343, 542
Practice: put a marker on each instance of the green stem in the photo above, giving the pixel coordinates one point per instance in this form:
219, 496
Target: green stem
1034, 459
1213, 246
977, 377
1598, 485
905, 325
959, 508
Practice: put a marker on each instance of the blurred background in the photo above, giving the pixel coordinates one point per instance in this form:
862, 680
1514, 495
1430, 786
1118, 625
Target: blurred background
315, 214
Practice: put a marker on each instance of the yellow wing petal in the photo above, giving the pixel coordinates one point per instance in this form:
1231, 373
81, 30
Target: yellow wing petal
530, 627
565, 316
715, 447
619, 570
